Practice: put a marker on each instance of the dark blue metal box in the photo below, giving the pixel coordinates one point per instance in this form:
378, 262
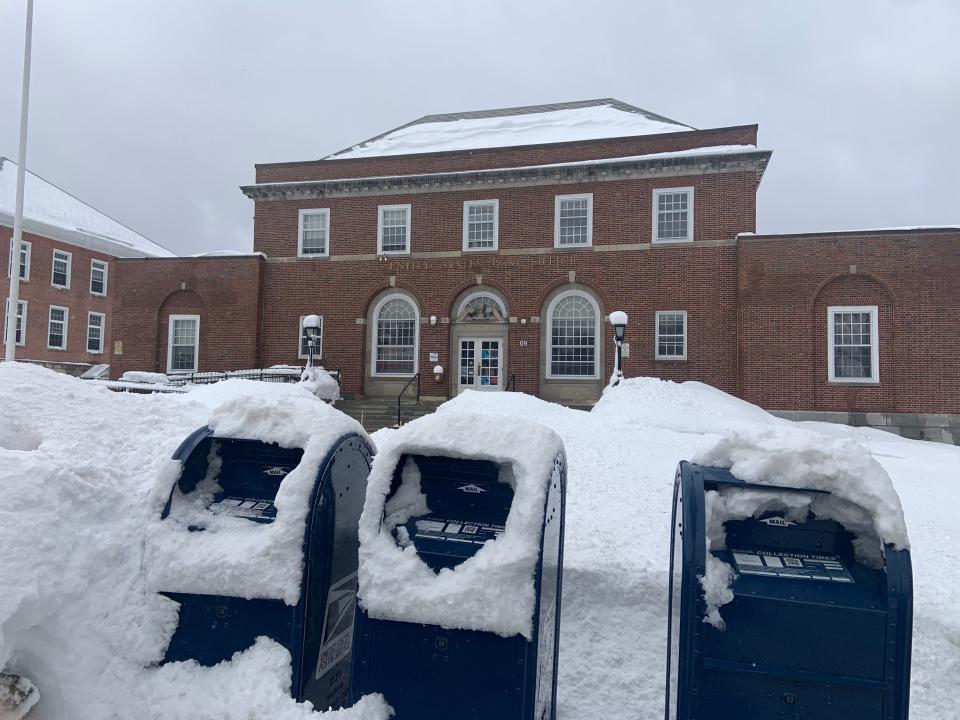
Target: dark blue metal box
811, 632
427, 672
318, 630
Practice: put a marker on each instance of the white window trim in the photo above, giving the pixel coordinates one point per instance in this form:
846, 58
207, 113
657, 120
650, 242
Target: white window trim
103, 331
196, 341
656, 217
874, 379
66, 326
28, 246
69, 268
326, 222
318, 348
556, 220
23, 323
106, 270
380, 209
466, 225
598, 338
656, 336
416, 336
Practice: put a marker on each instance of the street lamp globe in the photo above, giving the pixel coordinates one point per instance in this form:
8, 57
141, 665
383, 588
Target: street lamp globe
618, 319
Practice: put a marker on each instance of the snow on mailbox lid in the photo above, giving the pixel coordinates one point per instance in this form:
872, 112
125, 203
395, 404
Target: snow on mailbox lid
491, 591
234, 556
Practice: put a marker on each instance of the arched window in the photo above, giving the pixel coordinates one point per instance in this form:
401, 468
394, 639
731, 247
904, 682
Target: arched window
482, 307
574, 327
395, 336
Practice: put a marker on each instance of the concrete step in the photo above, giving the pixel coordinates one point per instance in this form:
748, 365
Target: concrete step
375, 414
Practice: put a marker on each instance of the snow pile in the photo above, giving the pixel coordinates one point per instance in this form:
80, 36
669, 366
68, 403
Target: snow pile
79, 462
532, 128
321, 383
47, 205
492, 591
689, 407
234, 556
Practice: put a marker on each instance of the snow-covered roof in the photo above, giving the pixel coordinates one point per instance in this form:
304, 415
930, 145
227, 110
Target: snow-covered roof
510, 127
55, 213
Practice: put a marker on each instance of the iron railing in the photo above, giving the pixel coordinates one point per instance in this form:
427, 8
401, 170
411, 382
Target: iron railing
512, 383
400, 396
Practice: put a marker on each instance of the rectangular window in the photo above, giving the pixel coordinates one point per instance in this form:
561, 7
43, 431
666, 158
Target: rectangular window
480, 224
95, 325
21, 320
25, 250
314, 233
57, 328
853, 344
317, 343
183, 342
61, 269
393, 229
673, 215
671, 335
98, 277
573, 221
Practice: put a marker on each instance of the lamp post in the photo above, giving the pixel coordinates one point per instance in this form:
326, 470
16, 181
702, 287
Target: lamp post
311, 326
618, 319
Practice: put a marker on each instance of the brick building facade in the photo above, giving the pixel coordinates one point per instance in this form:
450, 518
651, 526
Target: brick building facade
67, 272
498, 259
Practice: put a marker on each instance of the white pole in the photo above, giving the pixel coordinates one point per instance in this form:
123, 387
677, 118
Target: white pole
18, 211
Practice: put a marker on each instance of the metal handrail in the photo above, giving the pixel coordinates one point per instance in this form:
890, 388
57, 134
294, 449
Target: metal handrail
512, 383
415, 377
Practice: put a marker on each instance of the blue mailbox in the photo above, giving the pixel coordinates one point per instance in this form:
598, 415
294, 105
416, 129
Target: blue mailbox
810, 633
430, 670
237, 481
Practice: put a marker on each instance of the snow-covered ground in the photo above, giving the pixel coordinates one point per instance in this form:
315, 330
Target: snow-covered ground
79, 462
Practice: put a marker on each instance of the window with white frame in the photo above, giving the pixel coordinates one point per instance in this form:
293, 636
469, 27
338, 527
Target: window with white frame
25, 250
573, 221
853, 346
574, 327
396, 330
96, 322
393, 229
304, 348
480, 224
183, 343
60, 276
671, 335
98, 277
57, 328
314, 233
673, 215
21, 322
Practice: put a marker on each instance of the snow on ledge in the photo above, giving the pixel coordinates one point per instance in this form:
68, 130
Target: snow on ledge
493, 591
234, 556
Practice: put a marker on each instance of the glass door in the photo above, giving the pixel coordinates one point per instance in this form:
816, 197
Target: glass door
481, 364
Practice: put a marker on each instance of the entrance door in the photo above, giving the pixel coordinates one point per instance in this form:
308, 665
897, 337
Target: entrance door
481, 364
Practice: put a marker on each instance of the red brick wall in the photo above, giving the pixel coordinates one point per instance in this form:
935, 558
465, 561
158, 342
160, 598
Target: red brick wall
786, 285
40, 294
700, 280
223, 291
724, 204
503, 157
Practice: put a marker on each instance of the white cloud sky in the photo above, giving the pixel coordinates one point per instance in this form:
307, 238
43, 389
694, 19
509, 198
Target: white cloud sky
156, 112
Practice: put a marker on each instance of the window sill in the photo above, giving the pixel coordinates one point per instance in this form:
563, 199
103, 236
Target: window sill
60, 287
573, 248
481, 251
668, 243
671, 359
311, 256
854, 383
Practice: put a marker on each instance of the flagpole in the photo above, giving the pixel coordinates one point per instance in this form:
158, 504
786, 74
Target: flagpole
13, 300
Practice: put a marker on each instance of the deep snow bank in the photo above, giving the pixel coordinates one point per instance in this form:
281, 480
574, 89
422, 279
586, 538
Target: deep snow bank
78, 462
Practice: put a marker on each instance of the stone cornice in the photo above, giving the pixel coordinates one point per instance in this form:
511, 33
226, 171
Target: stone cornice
529, 176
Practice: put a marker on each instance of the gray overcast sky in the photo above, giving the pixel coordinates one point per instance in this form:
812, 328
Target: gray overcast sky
155, 112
